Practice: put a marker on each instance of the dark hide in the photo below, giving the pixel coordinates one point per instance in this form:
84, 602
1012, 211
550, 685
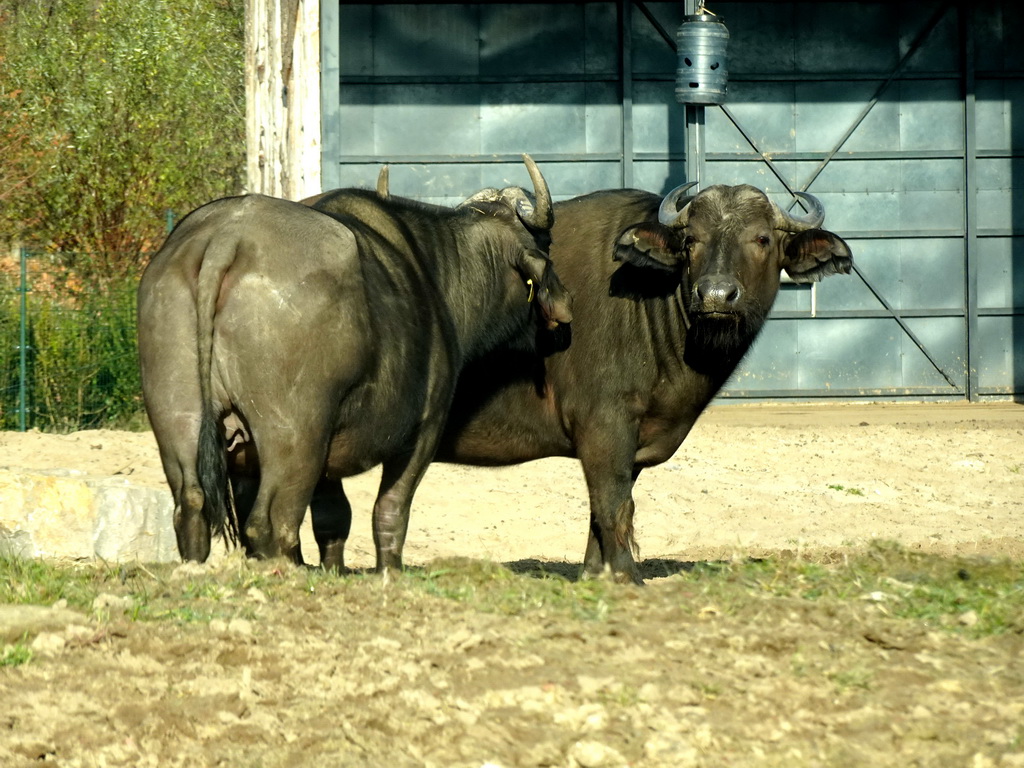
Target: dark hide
277, 341
663, 316
663, 313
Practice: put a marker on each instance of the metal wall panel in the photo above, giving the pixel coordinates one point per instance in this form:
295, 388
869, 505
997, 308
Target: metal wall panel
886, 156
905, 118
523, 40
418, 40
1001, 277
657, 127
998, 344
1002, 364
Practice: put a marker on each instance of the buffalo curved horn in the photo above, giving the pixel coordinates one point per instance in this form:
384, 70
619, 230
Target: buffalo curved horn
383, 185
543, 212
489, 195
538, 213
669, 213
790, 223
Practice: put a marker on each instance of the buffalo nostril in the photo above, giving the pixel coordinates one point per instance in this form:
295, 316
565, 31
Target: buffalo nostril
718, 293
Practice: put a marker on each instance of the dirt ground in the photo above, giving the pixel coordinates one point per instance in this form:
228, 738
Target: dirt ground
358, 673
750, 478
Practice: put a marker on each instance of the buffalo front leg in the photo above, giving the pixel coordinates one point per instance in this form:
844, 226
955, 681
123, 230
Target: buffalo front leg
610, 542
400, 477
332, 522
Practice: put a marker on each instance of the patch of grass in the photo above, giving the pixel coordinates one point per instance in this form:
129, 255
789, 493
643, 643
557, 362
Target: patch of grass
851, 491
154, 596
205, 590
974, 596
199, 599
620, 695
15, 655
708, 690
182, 614
36, 582
1017, 742
493, 588
857, 677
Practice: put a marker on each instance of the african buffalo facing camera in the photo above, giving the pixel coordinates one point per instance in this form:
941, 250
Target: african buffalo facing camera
283, 348
669, 294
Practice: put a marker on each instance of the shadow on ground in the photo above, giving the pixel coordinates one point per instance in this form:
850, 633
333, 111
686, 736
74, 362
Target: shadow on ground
654, 568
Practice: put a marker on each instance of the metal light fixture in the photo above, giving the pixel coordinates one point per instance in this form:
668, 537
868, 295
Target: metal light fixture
702, 75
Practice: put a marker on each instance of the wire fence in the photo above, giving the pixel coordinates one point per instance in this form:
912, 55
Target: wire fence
68, 351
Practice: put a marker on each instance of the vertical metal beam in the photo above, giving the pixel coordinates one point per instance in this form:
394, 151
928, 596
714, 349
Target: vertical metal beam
626, 75
965, 13
330, 94
695, 151
692, 114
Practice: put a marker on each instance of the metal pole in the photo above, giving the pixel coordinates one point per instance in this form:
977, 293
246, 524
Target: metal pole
23, 344
626, 66
970, 206
694, 115
695, 155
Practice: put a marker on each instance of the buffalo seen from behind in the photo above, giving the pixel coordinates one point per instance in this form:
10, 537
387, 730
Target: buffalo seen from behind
283, 349
668, 295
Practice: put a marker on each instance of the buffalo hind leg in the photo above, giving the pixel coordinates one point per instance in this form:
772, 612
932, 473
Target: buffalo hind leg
243, 492
191, 528
332, 522
289, 472
178, 438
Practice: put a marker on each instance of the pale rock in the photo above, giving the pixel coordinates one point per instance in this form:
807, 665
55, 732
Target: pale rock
61, 514
113, 604
240, 627
48, 644
590, 685
594, 754
671, 751
17, 620
968, 619
650, 693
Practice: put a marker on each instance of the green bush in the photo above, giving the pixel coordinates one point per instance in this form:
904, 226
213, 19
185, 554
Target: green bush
113, 113
82, 362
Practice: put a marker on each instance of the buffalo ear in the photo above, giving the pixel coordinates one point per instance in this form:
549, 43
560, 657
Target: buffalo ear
651, 246
546, 288
814, 254
532, 265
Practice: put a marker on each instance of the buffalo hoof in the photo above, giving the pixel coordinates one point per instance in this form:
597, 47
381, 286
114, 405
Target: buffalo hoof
616, 577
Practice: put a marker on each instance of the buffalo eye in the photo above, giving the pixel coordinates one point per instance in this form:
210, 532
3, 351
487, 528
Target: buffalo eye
689, 241
762, 240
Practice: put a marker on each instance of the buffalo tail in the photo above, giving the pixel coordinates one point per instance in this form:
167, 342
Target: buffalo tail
211, 459
212, 468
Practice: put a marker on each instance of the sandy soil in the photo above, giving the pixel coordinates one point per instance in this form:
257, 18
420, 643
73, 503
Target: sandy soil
749, 478
262, 665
